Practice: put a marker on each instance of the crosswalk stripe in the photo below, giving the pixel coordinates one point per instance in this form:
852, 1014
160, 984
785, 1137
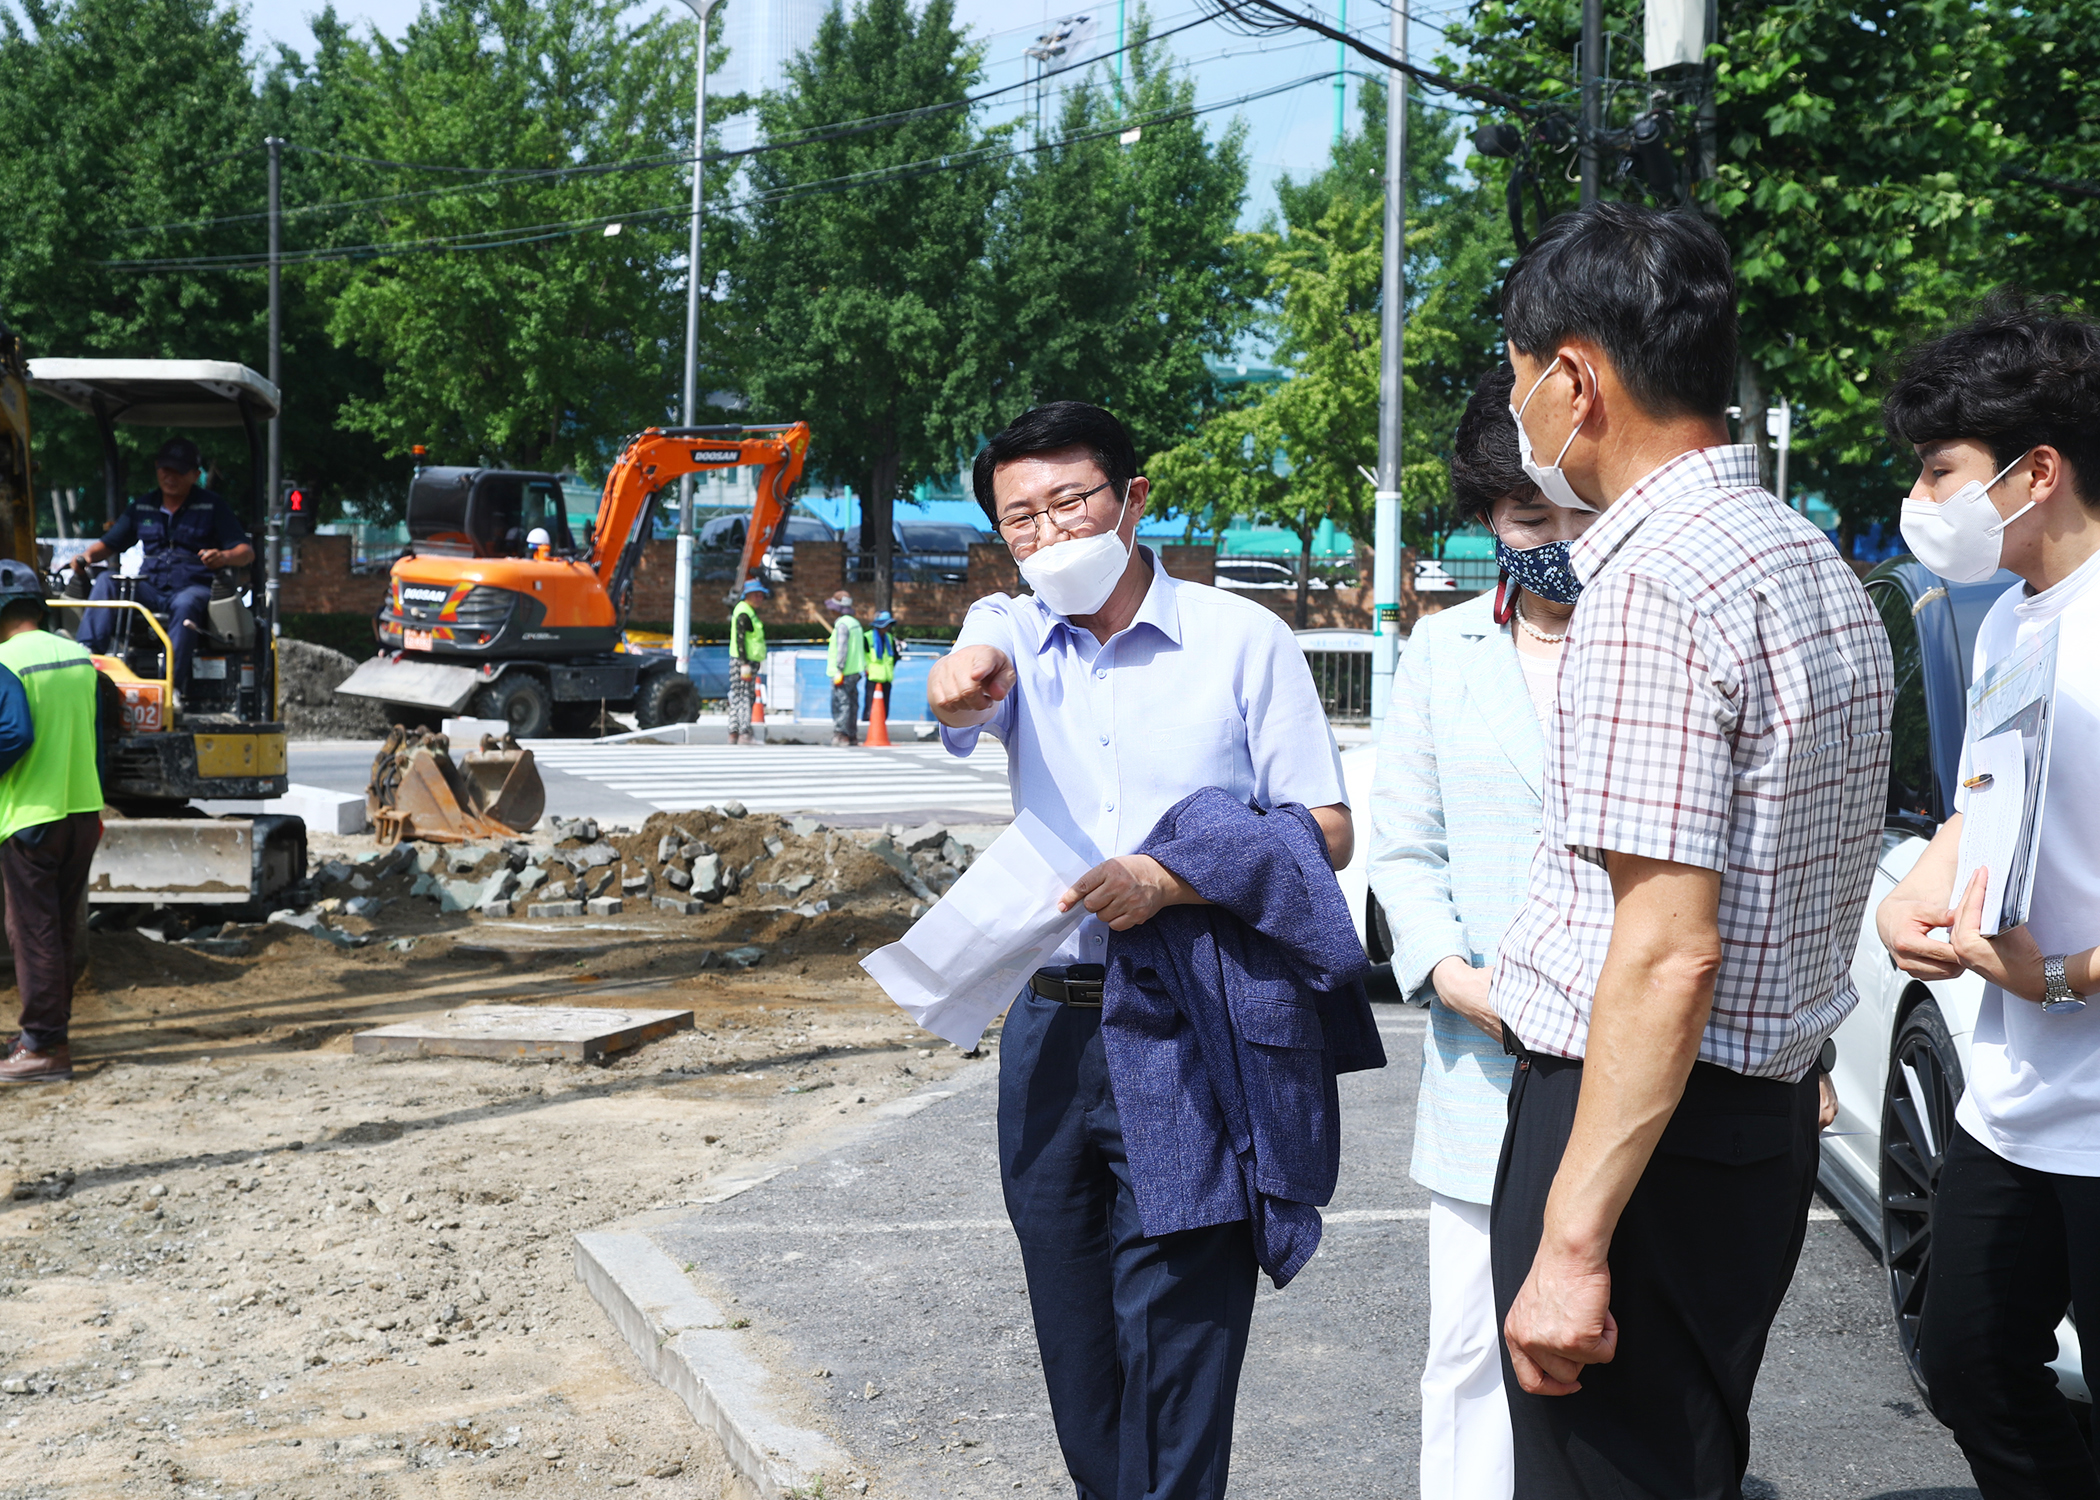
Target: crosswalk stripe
787, 778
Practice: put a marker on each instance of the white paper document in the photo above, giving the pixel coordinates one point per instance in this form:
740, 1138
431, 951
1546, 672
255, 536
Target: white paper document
1990, 827
964, 961
2012, 723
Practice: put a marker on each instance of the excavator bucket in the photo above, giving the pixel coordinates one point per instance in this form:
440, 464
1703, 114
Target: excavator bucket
417, 793
503, 783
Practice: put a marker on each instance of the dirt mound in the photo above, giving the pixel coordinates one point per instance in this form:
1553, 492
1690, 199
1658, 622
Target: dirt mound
307, 677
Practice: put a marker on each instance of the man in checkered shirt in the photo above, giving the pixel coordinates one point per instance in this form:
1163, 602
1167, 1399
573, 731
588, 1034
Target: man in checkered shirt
1716, 773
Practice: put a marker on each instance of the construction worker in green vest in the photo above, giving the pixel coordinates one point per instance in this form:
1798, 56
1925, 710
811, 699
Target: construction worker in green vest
747, 653
50, 818
845, 658
882, 661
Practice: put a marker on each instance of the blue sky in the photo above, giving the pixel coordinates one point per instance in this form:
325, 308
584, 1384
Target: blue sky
1288, 133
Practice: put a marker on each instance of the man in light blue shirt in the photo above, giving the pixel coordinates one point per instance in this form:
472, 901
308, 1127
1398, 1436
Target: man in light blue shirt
1117, 691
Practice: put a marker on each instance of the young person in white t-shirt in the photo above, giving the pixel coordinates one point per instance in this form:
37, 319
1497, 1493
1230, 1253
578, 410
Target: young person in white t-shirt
2004, 413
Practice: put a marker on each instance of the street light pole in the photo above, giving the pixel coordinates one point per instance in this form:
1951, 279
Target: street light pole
682, 581
1385, 524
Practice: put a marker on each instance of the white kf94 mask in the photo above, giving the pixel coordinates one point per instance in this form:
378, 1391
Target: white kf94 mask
1960, 538
1076, 576
1552, 483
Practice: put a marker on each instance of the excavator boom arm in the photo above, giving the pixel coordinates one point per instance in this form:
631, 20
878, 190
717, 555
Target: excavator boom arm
661, 455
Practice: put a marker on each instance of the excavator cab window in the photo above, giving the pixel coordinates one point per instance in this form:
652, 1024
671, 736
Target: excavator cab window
486, 512
508, 508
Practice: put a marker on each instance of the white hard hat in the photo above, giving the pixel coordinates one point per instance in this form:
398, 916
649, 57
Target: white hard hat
537, 537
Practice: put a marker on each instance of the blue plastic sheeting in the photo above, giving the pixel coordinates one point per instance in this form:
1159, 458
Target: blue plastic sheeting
709, 668
907, 698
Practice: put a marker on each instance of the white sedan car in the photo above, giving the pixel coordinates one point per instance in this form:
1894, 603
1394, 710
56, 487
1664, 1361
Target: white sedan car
1903, 1053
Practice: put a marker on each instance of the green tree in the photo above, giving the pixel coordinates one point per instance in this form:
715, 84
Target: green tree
1295, 452
308, 103
1112, 270
858, 250
508, 321
1856, 158
132, 135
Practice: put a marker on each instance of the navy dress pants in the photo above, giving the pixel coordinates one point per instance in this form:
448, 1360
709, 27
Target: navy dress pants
99, 626
1142, 1338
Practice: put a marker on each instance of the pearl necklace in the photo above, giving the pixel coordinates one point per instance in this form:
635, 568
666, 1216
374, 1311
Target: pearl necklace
1534, 632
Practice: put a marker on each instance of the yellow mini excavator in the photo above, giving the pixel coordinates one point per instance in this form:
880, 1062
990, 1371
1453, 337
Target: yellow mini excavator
221, 742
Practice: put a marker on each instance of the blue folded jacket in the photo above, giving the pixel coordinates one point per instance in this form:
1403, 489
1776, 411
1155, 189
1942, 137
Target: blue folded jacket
1225, 1027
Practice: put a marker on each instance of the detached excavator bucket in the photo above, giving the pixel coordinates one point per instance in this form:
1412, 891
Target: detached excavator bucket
503, 783
417, 793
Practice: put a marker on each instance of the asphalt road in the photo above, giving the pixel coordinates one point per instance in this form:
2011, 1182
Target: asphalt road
888, 1265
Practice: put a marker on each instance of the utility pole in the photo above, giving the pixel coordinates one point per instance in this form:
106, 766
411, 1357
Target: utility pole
682, 580
1341, 77
273, 540
1592, 100
1385, 524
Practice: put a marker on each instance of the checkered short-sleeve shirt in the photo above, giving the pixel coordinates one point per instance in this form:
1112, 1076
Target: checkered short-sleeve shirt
1723, 702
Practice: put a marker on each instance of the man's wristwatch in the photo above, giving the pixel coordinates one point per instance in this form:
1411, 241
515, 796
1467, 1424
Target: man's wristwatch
2057, 996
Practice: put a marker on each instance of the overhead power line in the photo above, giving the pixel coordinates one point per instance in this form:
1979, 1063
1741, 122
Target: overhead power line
1259, 16
503, 176
511, 236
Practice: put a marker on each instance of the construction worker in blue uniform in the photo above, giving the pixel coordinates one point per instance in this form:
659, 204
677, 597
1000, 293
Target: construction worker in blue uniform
882, 661
188, 534
747, 655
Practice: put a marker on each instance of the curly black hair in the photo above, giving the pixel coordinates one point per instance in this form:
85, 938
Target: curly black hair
2024, 371
1484, 463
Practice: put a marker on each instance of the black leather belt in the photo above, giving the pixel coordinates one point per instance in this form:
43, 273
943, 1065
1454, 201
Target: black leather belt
1076, 985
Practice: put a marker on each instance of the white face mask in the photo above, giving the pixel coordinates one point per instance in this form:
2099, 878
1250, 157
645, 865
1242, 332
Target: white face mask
1076, 576
1960, 538
1552, 483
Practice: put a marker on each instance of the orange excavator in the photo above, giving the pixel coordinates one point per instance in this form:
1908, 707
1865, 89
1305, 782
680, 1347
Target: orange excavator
496, 612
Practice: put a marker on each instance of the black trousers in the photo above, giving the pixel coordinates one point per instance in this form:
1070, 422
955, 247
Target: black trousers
1699, 1262
45, 872
2012, 1247
1142, 1339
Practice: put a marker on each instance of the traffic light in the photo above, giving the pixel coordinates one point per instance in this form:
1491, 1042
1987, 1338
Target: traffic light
298, 509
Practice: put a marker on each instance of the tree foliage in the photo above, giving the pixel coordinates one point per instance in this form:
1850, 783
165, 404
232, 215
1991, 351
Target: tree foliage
1112, 272
1295, 452
539, 341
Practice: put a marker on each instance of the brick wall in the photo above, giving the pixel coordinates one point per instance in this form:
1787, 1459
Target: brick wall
322, 583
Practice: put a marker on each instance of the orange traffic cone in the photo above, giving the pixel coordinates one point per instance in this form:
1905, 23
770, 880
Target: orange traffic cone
758, 700
879, 718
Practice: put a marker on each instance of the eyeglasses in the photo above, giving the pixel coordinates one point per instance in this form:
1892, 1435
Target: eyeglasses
1066, 512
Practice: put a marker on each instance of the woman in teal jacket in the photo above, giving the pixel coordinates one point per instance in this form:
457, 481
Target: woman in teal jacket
1455, 822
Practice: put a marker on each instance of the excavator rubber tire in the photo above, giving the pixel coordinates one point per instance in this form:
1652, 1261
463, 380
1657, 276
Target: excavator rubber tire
521, 700
666, 698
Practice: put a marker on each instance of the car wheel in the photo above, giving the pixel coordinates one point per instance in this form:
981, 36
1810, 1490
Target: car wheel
666, 698
1917, 1122
520, 700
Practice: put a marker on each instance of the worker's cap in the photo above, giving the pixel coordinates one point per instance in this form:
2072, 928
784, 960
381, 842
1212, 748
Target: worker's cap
179, 454
537, 537
838, 604
19, 581
885, 618
753, 586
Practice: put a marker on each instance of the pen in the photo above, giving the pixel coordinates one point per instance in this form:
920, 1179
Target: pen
1975, 782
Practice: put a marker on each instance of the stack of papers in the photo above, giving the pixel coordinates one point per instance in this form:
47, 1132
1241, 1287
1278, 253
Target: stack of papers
965, 960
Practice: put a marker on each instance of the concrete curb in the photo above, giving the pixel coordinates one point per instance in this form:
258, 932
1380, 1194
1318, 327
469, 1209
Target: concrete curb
684, 1342
682, 1338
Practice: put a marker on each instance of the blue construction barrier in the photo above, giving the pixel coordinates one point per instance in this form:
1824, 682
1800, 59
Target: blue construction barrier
907, 698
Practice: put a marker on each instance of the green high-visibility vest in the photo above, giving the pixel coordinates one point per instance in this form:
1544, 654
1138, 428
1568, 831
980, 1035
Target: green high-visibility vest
843, 657
747, 634
57, 777
882, 655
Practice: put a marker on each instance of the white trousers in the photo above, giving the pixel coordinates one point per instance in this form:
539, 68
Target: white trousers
1465, 1417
